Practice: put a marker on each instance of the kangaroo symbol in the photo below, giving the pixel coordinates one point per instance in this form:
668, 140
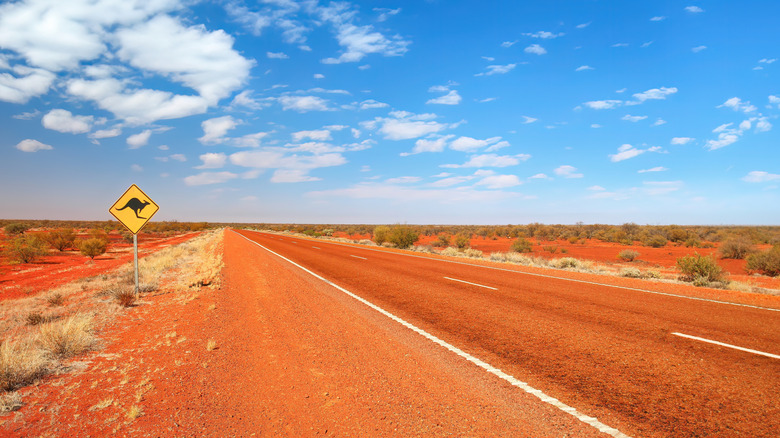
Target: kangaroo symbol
136, 205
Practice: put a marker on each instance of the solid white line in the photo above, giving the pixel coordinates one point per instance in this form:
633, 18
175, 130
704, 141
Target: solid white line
552, 276
474, 284
358, 257
315, 247
773, 356
485, 366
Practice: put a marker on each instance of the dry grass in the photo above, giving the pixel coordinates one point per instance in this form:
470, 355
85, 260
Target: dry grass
69, 337
21, 363
10, 401
55, 299
211, 345
102, 404
134, 412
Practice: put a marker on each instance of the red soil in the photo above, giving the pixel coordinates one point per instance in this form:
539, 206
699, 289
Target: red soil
58, 268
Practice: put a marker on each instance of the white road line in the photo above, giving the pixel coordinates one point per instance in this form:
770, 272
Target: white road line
473, 284
358, 257
556, 278
773, 356
315, 247
601, 427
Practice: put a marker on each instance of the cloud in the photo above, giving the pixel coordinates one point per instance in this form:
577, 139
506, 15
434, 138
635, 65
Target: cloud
694, 9
654, 169
544, 35
405, 126
682, 140
451, 98
403, 180
385, 13
491, 160
212, 161
179, 157
104, 133
658, 18
584, 68
64, 121
737, 104
141, 139
540, 176
317, 135
583, 25
497, 70
358, 41
536, 49
32, 146
698, 49
28, 83
304, 104
508, 44
631, 118
206, 178
371, 104
657, 188
620, 45
276, 55
603, 104
758, 176
627, 151
292, 176
654, 94
528, 120
214, 130
567, 171
429, 145
659, 122
499, 181
466, 144
411, 194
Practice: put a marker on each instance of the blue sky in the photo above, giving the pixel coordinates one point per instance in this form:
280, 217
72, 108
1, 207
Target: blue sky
450, 112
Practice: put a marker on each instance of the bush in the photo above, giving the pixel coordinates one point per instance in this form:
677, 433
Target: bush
473, 253
628, 255
61, 239
693, 242
67, 338
521, 245
403, 236
699, 268
736, 248
631, 273
21, 363
655, 241
551, 249
124, 296
16, 228
381, 234
93, 247
442, 241
462, 241
565, 263
26, 248
767, 262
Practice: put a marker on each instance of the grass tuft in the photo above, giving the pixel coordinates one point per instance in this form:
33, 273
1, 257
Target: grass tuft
68, 337
211, 345
21, 363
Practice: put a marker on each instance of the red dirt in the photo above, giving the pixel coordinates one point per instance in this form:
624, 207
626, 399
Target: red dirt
58, 268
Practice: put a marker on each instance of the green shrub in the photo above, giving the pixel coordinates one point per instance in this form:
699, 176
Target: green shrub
551, 249
26, 248
403, 236
693, 242
521, 245
766, 262
628, 255
699, 268
93, 247
381, 234
462, 241
736, 248
16, 228
442, 241
655, 241
61, 239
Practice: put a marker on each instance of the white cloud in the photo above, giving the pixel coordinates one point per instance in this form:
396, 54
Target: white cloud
655, 94
603, 104
544, 35
694, 9
497, 70
767, 61
466, 144
276, 159
539, 176
451, 98
631, 118
319, 76
491, 160
737, 104
411, 194
32, 146
583, 25
104, 133
276, 55
426, 145
404, 180
658, 18
405, 126
654, 169
317, 135
682, 140
64, 121
303, 104
596, 189
620, 45
385, 13
567, 171
212, 161
595, 126
206, 178
245, 99
584, 68
487, 99
179, 157
359, 41
763, 125
528, 120
536, 49
698, 49
371, 104
657, 188
499, 181
28, 83
659, 122
214, 130
136, 141
758, 176
508, 44
625, 152
249, 140
646, 44
136, 168
724, 139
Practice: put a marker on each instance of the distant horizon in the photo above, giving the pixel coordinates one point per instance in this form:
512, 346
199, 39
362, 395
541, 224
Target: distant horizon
291, 111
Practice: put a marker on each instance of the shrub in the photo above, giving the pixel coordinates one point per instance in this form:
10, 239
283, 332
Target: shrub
21, 363
462, 241
767, 262
381, 234
450, 251
26, 248
93, 247
67, 338
521, 245
61, 239
631, 273
55, 299
473, 253
565, 262
442, 241
573, 239
699, 268
693, 242
655, 241
551, 249
736, 248
628, 255
403, 236
124, 296
16, 228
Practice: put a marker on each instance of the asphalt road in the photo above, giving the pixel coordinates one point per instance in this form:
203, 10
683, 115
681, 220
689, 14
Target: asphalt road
643, 364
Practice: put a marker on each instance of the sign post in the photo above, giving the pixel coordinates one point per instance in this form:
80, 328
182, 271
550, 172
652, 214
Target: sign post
133, 210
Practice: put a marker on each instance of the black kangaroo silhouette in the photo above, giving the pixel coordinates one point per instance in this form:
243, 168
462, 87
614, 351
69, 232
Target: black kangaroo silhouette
136, 205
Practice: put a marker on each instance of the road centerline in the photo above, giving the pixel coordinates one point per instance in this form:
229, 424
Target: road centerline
723, 344
473, 284
358, 257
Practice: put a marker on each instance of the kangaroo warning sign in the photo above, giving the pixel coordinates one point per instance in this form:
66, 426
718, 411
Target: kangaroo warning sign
134, 209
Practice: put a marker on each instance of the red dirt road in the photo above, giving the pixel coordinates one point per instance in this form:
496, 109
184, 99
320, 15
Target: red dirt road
608, 352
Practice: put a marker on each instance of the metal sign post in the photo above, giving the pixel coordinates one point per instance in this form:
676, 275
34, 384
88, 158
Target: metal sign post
128, 210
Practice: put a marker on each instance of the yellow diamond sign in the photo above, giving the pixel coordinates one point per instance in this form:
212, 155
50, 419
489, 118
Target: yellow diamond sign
134, 209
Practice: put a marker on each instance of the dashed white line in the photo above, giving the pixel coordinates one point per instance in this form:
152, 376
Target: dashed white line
473, 284
315, 247
358, 257
485, 366
723, 344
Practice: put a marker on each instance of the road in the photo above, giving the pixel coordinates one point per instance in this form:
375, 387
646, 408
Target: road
568, 352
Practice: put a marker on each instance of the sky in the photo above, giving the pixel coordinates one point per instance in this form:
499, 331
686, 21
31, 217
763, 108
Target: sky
420, 112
